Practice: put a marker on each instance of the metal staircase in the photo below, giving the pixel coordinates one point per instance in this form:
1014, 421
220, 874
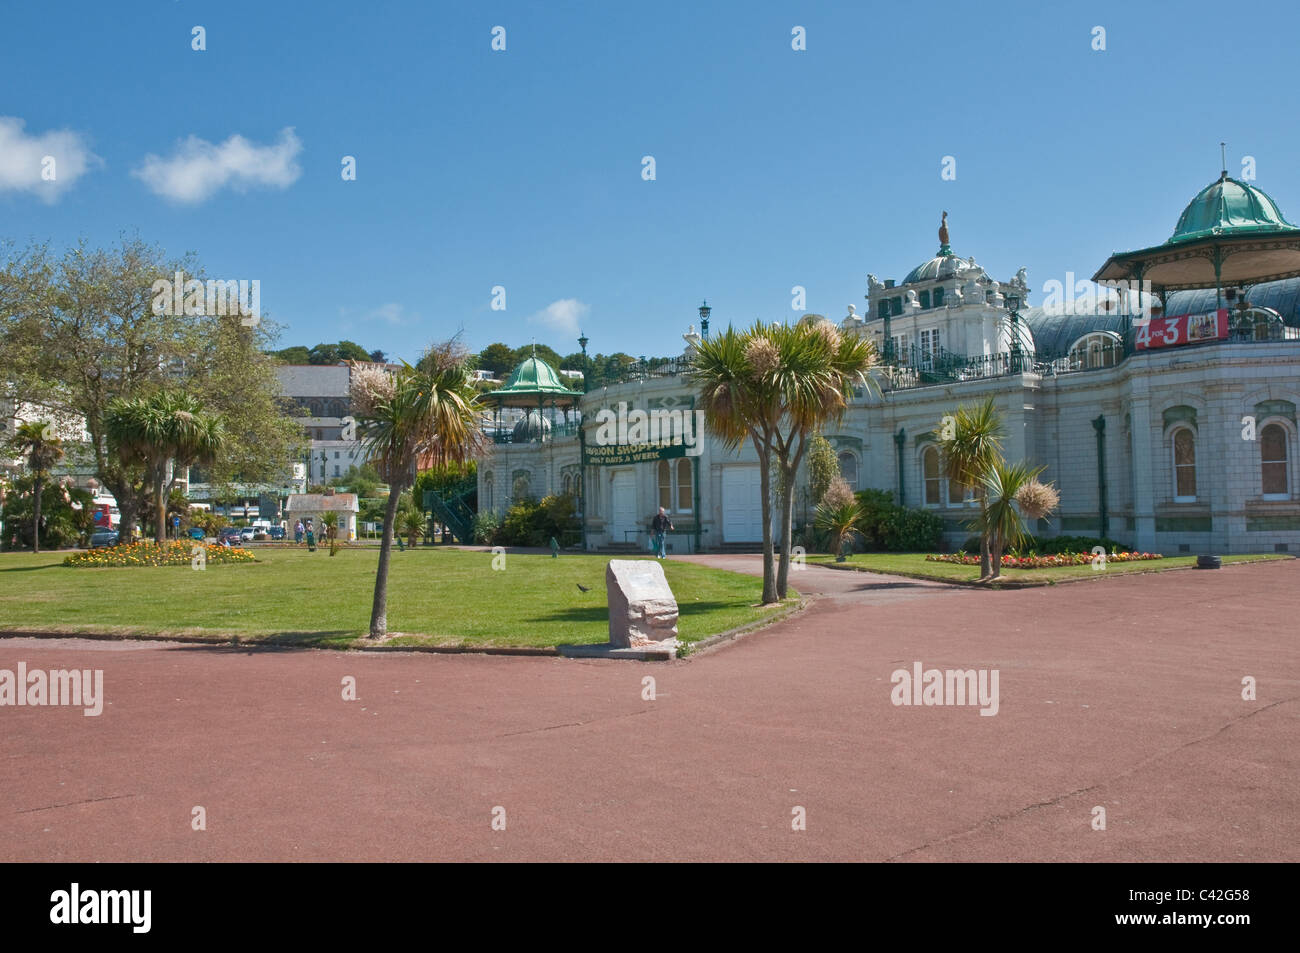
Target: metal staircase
452, 508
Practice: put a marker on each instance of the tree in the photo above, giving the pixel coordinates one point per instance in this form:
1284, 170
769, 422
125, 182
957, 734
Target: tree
999, 522
161, 434
293, 355
36, 442
78, 330
540, 351
823, 467
409, 419
411, 520
775, 385
971, 445
377, 357
497, 358
331, 523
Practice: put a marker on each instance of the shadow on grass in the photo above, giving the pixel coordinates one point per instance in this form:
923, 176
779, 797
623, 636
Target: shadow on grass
235, 642
601, 613
57, 565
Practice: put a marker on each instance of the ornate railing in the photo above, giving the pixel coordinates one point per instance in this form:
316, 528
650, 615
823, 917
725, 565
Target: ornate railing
505, 435
641, 371
918, 367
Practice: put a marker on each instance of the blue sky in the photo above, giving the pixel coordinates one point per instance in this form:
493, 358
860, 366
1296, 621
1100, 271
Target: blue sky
522, 168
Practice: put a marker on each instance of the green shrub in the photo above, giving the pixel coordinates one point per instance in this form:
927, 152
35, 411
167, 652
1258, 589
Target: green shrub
1056, 545
485, 528
533, 523
887, 526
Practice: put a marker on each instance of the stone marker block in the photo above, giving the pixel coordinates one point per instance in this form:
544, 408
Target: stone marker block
642, 609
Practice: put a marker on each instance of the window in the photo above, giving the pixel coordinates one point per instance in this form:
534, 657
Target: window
320, 435
930, 473
938, 297
336, 469
1184, 466
665, 485
900, 349
925, 300
487, 493
956, 493
882, 309
1272, 459
895, 306
929, 347
849, 469
336, 454
685, 504
1095, 350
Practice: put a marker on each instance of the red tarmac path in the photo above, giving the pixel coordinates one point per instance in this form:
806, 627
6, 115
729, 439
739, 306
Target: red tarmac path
1123, 693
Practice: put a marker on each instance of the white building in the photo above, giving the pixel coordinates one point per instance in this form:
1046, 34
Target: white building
1183, 440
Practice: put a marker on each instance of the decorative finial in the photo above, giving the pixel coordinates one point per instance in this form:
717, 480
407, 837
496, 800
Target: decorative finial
943, 236
1223, 155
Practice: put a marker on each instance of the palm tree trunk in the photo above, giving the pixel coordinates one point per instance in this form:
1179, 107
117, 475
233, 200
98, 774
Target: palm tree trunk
995, 558
379, 612
769, 559
787, 530
985, 558
160, 505
36, 515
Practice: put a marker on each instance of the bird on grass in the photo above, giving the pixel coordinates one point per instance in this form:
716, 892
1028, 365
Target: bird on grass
582, 587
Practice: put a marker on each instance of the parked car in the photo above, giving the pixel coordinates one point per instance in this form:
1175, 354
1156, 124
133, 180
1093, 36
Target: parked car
197, 533
277, 532
101, 538
246, 534
229, 535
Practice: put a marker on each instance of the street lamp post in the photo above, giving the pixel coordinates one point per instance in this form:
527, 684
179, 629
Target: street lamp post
705, 311
582, 443
1013, 308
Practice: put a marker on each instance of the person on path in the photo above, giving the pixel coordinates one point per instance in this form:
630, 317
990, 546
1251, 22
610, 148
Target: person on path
659, 527
311, 538
297, 532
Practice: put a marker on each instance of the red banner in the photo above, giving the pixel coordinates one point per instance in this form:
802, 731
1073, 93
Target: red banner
1176, 330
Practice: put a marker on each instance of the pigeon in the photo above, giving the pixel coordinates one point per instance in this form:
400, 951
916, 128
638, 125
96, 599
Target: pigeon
583, 588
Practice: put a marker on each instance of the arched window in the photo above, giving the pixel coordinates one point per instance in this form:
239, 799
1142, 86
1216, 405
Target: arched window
1272, 461
488, 502
849, 469
520, 488
564, 485
685, 501
665, 485
1184, 466
1101, 349
930, 473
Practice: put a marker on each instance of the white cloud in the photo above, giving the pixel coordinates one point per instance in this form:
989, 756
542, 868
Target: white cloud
197, 169
393, 313
23, 158
562, 315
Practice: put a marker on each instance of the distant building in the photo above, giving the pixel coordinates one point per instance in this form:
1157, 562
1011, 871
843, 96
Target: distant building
322, 393
312, 506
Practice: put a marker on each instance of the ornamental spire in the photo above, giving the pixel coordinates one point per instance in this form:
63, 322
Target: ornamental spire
944, 248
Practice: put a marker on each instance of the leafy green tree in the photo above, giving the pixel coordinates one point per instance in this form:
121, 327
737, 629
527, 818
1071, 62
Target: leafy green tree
823, 467
497, 358
418, 417
999, 522
293, 355
161, 434
66, 514
540, 351
36, 443
78, 330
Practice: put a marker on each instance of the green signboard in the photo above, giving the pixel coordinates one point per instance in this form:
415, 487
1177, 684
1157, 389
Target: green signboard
622, 454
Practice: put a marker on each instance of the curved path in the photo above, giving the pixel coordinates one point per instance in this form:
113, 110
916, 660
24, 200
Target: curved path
1124, 693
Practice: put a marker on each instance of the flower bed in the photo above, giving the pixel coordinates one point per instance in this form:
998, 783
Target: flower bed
173, 553
1043, 562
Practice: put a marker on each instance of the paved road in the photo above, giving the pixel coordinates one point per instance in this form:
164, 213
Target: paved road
1123, 693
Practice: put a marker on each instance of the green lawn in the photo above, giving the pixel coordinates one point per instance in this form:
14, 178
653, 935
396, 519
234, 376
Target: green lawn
915, 565
435, 597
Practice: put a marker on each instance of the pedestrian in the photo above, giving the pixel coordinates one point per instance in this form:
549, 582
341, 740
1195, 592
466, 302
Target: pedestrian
297, 532
659, 527
311, 538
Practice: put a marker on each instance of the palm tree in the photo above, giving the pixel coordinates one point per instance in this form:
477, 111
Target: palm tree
971, 444
35, 440
777, 385
331, 523
411, 521
422, 417
1000, 522
167, 427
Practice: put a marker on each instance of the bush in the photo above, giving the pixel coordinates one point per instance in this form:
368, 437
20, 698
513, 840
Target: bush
485, 528
1056, 545
61, 525
530, 523
887, 526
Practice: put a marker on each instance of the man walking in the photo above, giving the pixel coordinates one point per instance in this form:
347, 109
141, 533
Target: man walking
660, 526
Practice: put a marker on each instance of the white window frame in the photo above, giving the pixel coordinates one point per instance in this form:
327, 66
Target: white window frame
1288, 439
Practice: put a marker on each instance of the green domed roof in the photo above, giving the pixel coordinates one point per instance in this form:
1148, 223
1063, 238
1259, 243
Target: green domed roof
534, 375
1228, 207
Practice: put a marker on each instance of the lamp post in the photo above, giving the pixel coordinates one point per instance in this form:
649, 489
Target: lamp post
1013, 308
705, 311
582, 443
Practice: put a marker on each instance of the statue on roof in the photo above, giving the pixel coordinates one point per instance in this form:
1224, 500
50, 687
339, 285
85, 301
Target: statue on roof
874, 284
943, 230
1021, 280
